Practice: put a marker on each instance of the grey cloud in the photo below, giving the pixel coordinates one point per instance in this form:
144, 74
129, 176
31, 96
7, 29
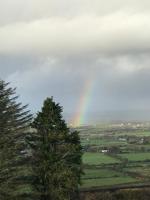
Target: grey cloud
53, 48
113, 34
28, 10
114, 86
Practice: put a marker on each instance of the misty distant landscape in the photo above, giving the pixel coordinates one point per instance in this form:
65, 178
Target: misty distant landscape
113, 116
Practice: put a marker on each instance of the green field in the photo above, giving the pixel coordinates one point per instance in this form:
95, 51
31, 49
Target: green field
101, 142
108, 181
142, 171
136, 133
100, 173
136, 156
98, 159
129, 165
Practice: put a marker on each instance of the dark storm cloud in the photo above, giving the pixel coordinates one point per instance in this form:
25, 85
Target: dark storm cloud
115, 85
52, 48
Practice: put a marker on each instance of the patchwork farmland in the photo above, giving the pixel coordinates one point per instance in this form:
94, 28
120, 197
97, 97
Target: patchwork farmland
115, 154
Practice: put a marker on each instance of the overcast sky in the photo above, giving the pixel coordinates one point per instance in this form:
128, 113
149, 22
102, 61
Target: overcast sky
53, 47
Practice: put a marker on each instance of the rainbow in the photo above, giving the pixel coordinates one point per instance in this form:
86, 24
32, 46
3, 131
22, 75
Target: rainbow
82, 108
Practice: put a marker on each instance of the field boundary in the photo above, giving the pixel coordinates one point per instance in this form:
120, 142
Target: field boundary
115, 188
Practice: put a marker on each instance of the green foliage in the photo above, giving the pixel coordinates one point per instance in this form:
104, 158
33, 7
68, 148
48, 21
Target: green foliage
14, 119
56, 155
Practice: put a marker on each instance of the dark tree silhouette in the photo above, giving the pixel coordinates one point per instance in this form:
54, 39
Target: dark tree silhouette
14, 120
56, 155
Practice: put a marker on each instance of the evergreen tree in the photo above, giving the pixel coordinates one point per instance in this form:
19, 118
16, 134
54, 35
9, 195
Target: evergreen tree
14, 119
56, 155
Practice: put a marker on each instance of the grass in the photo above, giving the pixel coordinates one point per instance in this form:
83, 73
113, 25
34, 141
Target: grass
135, 133
101, 142
136, 170
100, 173
143, 170
98, 159
108, 181
136, 156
